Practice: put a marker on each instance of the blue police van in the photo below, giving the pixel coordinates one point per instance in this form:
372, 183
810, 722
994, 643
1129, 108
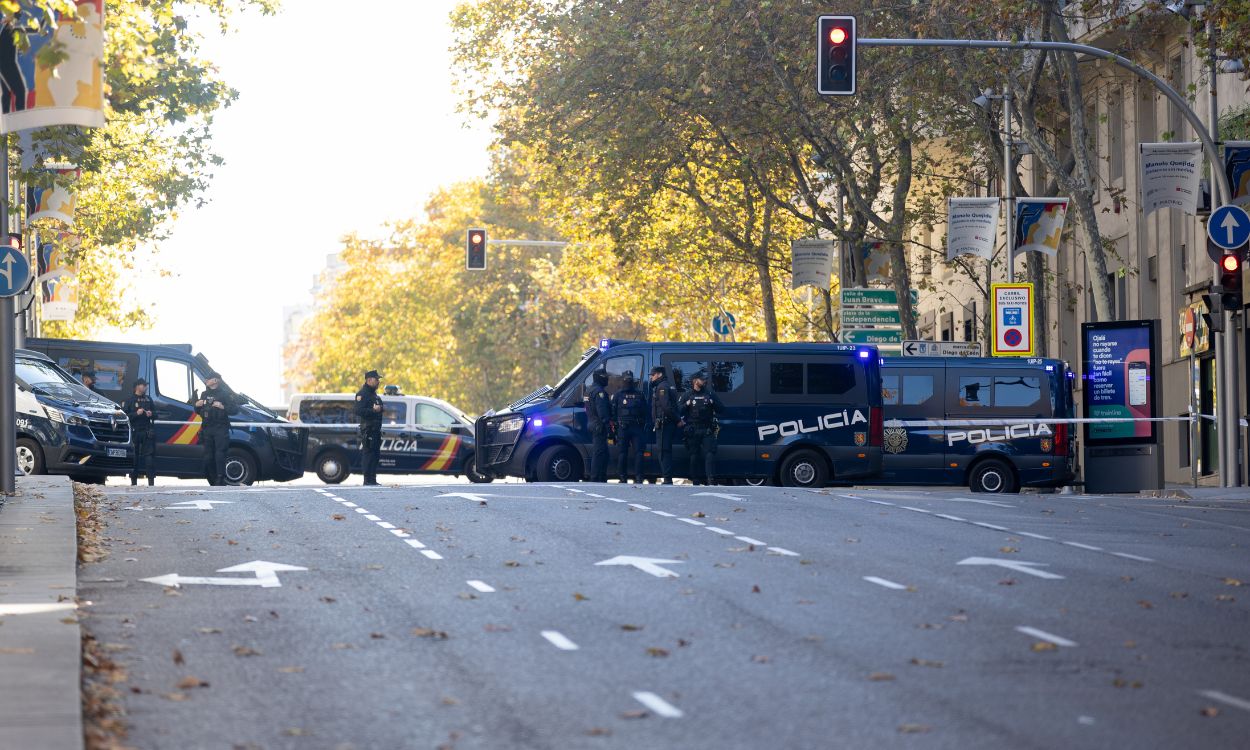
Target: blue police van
64, 428
985, 423
175, 374
795, 414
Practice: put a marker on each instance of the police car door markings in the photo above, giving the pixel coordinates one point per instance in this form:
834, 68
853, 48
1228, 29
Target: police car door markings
837, 420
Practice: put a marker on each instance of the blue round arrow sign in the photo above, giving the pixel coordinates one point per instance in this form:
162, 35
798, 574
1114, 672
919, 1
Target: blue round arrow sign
14, 271
1229, 227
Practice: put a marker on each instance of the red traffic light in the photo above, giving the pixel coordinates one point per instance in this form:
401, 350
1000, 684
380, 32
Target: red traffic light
475, 238
837, 35
1230, 263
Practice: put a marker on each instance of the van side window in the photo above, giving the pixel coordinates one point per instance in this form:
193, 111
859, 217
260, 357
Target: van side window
727, 379
394, 413
328, 411
112, 372
891, 392
615, 366
173, 380
975, 391
786, 378
829, 379
917, 389
1017, 392
434, 419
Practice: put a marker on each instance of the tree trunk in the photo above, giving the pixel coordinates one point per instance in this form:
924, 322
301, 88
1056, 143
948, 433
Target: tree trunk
1036, 275
764, 270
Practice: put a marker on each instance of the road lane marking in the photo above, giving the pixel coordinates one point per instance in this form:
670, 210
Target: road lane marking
1044, 636
481, 586
362, 511
557, 639
885, 583
664, 514
1036, 536
1231, 700
386, 524
570, 489
1085, 721
372, 517
431, 554
645, 564
415, 543
951, 518
1020, 566
1084, 546
749, 540
350, 505
978, 502
1126, 555
613, 499
399, 533
726, 532
984, 525
657, 704
692, 522
782, 551
640, 507
876, 502
918, 510
591, 494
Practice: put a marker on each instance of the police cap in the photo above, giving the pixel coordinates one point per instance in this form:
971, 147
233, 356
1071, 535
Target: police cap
213, 375
141, 381
658, 370
372, 374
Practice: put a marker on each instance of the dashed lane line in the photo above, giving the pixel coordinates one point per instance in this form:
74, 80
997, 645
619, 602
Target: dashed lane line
481, 586
398, 532
1084, 546
639, 506
984, 525
657, 704
884, 583
431, 554
1128, 556
372, 517
692, 522
1044, 636
916, 510
663, 514
1227, 699
557, 639
723, 532
750, 540
783, 551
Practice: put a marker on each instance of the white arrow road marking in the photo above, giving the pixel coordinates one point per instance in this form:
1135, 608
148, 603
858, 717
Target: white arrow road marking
198, 504
1043, 635
1020, 566
645, 564
978, 502
1231, 700
885, 583
467, 496
558, 640
724, 495
657, 704
266, 576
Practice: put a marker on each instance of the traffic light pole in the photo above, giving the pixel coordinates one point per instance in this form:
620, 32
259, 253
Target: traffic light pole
8, 342
1227, 419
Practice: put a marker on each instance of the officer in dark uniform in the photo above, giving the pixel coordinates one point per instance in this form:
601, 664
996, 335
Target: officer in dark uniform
664, 418
699, 407
369, 412
215, 405
598, 416
139, 409
88, 380
629, 413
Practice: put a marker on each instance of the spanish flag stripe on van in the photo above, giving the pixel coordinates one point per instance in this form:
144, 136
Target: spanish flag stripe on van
443, 457
188, 434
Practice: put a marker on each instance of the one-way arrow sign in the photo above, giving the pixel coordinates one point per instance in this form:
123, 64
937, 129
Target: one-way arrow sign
645, 564
1020, 566
266, 576
1229, 227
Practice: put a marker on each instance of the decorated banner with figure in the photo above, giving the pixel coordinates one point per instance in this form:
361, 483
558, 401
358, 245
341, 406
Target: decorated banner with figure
1039, 224
971, 227
54, 201
1237, 167
71, 92
59, 299
53, 259
877, 264
1169, 176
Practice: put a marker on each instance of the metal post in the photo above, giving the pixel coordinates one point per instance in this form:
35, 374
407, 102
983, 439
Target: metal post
8, 369
1193, 411
1009, 189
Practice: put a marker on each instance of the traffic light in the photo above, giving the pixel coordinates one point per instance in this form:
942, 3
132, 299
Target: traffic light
1230, 280
836, 66
475, 250
1214, 316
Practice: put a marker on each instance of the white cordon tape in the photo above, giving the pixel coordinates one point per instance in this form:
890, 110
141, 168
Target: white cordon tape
312, 425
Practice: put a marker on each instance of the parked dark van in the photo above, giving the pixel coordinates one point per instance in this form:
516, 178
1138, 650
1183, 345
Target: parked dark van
986, 423
176, 377
64, 428
797, 414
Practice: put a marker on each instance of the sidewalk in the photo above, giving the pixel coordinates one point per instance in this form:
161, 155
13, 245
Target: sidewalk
40, 641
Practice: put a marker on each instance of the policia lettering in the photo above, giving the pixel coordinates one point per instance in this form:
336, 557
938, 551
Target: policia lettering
369, 412
828, 422
990, 434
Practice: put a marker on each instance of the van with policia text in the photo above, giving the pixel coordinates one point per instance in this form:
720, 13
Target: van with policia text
993, 424
64, 428
420, 435
797, 414
176, 377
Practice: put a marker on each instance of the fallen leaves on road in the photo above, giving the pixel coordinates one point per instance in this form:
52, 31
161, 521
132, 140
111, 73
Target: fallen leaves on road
437, 635
1232, 582
760, 659
186, 683
296, 732
1225, 598
659, 653
177, 656
914, 728
1120, 682
1008, 550
1007, 582
598, 732
377, 636
880, 677
208, 631
15, 651
1210, 712
580, 597
927, 663
329, 599
245, 651
342, 646
755, 589
1180, 594
338, 517
176, 697
698, 514
512, 564
290, 670
1145, 604
851, 540
632, 628
491, 627
1044, 646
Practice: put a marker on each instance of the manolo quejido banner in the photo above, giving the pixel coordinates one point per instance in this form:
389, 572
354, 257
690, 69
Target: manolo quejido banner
971, 227
1169, 176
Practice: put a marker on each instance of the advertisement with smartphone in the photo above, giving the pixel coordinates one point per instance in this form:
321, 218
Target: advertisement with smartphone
1120, 366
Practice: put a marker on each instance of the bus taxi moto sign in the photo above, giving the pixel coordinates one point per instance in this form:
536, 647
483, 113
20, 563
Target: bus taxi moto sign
1013, 320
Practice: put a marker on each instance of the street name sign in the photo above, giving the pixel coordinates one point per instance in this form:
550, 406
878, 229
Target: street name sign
871, 336
1013, 320
857, 296
914, 348
1229, 227
855, 317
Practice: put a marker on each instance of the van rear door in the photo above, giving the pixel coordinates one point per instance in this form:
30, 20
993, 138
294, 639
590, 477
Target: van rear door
177, 445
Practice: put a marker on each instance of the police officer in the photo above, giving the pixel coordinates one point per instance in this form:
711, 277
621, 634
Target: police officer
698, 409
598, 417
664, 417
629, 413
215, 405
369, 412
139, 409
88, 380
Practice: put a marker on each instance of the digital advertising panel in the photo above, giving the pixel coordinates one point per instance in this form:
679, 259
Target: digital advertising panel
1120, 364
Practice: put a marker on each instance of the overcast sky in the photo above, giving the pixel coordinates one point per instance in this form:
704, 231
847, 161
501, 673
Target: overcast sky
322, 142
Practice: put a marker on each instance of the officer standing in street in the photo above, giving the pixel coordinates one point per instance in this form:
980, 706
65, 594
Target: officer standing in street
215, 405
664, 417
598, 417
629, 413
369, 412
139, 409
699, 407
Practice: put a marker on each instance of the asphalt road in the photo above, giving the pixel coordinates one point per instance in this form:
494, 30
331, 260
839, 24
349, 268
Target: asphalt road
469, 616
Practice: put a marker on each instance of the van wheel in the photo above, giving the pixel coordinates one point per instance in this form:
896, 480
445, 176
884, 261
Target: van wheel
240, 467
332, 467
804, 468
559, 463
992, 475
29, 456
470, 471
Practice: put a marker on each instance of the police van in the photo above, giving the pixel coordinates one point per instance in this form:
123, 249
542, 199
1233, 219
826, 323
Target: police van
986, 423
799, 414
420, 435
265, 450
63, 427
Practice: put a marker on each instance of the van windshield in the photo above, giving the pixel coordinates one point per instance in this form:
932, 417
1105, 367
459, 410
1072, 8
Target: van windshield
49, 380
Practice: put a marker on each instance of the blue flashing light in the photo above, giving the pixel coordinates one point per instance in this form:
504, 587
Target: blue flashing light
1050, 368
538, 422
604, 344
864, 354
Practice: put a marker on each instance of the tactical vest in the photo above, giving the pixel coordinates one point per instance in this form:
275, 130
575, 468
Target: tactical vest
632, 408
702, 411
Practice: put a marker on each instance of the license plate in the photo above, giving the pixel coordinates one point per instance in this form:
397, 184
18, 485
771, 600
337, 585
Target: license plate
117, 452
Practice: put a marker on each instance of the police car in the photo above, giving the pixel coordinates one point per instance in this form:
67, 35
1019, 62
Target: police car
796, 414
420, 435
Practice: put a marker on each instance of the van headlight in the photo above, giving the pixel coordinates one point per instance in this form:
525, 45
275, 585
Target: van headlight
56, 415
512, 424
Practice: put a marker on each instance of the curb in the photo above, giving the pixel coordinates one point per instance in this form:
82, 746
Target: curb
40, 638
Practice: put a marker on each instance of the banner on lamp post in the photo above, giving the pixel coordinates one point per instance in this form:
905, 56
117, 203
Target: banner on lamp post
59, 299
971, 227
811, 262
1039, 224
1237, 167
53, 201
71, 92
1169, 176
